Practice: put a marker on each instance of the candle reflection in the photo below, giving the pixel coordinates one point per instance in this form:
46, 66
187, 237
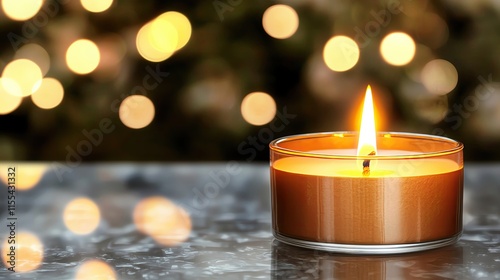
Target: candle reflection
288, 261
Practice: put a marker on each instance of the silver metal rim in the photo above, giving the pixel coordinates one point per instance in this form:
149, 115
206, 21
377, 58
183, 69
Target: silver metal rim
368, 249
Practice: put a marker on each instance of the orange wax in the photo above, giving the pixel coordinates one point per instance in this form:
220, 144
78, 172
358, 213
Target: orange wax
406, 199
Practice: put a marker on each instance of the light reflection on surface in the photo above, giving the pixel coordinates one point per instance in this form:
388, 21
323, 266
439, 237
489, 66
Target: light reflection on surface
81, 216
95, 270
27, 175
158, 217
28, 251
299, 263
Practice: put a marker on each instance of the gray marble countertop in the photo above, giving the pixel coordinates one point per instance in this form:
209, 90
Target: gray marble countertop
228, 228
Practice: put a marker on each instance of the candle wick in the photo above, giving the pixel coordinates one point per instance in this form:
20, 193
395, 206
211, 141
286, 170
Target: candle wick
366, 165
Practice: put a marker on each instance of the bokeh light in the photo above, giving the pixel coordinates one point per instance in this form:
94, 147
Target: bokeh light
49, 94
432, 30
165, 222
181, 24
484, 105
280, 21
21, 10
37, 54
9, 102
83, 56
113, 49
146, 45
397, 48
258, 108
81, 216
136, 111
439, 76
21, 77
163, 35
96, 6
28, 252
340, 53
27, 175
95, 270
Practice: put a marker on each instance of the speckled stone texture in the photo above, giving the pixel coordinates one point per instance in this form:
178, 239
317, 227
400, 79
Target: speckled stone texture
229, 206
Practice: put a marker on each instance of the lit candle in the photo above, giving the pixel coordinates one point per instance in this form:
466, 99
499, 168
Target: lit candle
367, 192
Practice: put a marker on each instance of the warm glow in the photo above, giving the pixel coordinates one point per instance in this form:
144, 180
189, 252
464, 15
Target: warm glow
28, 175
280, 21
28, 252
163, 36
9, 102
367, 142
95, 270
181, 24
147, 44
21, 76
136, 111
81, 216
83, 56
96, 6
167, 223
35, 53
398, 48
49, 94
21, 9
341, 53
439, 76
258, 108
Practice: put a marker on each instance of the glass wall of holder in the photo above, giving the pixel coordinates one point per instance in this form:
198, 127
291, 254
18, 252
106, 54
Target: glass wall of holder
405, 198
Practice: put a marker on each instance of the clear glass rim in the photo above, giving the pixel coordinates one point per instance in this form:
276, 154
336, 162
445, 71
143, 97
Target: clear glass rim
275, 145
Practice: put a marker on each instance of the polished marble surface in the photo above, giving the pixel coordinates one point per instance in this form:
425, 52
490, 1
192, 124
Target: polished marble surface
230, 237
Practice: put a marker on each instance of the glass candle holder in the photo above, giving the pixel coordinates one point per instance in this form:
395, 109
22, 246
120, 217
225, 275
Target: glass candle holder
410, 199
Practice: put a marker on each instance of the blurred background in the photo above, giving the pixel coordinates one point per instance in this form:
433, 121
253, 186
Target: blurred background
217, 80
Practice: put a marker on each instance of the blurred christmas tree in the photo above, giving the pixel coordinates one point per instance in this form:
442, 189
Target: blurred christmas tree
177, 80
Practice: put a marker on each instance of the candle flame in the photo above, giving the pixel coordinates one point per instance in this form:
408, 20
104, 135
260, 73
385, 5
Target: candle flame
367, 143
